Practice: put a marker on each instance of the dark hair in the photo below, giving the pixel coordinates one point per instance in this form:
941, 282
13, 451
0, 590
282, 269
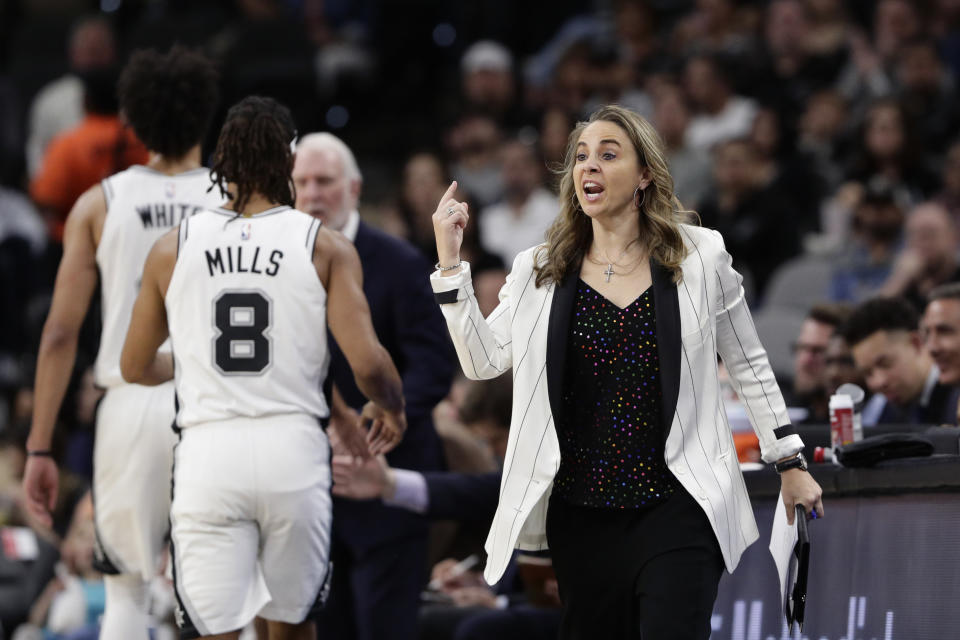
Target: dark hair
879, 314
950, 290
833, 314
489, 400
253, 152
169, 98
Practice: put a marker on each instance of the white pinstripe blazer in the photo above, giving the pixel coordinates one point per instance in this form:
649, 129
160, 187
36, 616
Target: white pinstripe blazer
705, 314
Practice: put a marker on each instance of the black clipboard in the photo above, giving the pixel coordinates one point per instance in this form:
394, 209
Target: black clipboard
796, 599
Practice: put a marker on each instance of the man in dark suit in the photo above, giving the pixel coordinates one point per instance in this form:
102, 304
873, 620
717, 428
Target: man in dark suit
379, 553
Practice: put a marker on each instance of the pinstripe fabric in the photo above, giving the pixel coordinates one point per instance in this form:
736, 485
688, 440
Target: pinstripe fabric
702, 316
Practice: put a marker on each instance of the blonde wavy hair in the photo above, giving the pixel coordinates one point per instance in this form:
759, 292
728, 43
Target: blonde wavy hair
661, 213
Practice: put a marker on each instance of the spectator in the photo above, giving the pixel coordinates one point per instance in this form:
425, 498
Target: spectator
829, 26
521, 218
719, 114
424, 180
809, 361
570, 83
929, 257
867, 74
887, 346
99, 146
488, 85
790, 71
949, 195
886, 149
59, 106
868, 259
839, 368
23, 241
927, 94
818, 136
717, 27
72, 603
757, 223
793, 177
554, 129
473, 144
941, 331
637, 30
690, 168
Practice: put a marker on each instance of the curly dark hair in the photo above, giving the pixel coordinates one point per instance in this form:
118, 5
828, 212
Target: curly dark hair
169, 98
253, 152
879, 314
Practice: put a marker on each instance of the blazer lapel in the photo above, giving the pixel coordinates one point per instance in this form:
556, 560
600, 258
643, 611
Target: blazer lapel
557, 339
666, 303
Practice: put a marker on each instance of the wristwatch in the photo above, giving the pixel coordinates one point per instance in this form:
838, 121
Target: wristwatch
796, 462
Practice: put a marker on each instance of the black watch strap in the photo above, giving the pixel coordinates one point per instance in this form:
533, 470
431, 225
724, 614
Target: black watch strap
796, 462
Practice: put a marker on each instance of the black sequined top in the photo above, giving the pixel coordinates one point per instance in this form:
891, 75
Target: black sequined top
611, 438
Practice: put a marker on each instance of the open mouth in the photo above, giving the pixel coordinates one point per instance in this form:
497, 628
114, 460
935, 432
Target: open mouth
592, 191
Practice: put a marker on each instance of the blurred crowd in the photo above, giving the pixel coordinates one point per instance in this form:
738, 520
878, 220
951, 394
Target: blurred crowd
820, 137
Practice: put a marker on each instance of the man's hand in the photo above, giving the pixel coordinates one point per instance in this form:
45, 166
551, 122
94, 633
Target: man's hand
447, 576
386, 428
474, 597
360, 478
41, 482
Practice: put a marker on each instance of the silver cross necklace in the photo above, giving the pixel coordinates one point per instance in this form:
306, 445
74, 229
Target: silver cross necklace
609, 272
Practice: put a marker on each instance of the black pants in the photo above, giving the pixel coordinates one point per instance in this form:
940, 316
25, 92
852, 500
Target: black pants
649, 574
375, 595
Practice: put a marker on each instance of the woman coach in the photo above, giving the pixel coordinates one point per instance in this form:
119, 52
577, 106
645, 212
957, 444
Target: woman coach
620, 458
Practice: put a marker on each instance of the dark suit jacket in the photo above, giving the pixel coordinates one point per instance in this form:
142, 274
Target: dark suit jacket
462, 496
411, 328
940, 409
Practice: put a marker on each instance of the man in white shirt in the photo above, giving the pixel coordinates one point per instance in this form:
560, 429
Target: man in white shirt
520, 220
721, 115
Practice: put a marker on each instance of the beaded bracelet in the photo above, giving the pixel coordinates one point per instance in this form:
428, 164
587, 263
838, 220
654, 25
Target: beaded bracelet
450, 268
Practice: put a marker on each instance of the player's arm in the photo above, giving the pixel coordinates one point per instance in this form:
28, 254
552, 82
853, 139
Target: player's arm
75, 284
348, 316
139, 362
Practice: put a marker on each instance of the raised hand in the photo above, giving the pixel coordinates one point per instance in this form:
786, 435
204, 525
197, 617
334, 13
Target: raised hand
449, 221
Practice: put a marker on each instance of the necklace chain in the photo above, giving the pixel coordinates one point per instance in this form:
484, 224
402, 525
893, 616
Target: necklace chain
611, 263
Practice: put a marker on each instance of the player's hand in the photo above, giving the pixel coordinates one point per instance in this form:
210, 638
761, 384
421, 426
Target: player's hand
799, 487
386, 428
41, 481
346, 433
359, 478
449, 221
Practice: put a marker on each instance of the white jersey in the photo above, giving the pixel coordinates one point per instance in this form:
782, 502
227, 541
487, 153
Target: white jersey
142, 205
247, 316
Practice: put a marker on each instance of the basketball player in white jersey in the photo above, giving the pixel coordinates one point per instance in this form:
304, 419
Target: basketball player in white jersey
245, 293
169, 100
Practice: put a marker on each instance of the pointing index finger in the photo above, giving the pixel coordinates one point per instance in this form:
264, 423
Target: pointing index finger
450, 191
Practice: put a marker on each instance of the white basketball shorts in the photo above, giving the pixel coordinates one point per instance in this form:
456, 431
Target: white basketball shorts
132, 461
250, 519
